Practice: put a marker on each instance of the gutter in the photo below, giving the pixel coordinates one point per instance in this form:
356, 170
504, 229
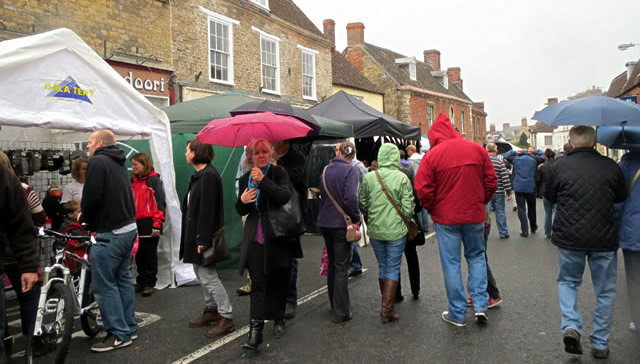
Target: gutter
433, 93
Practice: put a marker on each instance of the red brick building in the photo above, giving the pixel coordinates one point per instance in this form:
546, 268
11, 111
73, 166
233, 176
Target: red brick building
627, 84
416, 92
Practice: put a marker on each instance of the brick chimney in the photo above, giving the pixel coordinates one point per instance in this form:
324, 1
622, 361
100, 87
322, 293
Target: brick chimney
432, 58
552, 101
453, 73
524, 122
355, 34
492, 128
330, 32
479, 105
506, 126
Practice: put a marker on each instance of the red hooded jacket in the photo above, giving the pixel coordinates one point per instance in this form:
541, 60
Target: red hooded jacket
456, 178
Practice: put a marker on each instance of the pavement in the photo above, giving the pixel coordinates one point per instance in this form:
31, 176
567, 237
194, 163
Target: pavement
524, 329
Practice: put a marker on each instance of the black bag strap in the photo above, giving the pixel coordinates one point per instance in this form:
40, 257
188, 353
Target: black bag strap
384, 189
347, 219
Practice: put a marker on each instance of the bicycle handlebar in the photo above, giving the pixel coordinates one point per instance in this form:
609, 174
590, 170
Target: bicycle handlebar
79, 238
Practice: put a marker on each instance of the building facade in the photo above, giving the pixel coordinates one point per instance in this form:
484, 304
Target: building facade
415, 92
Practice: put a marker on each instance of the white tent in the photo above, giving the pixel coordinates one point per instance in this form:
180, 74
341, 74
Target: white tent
55, 81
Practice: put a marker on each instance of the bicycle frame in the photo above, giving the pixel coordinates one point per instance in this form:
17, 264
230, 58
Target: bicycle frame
57, 267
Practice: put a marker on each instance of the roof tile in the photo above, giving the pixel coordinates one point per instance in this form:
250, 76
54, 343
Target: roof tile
345, 74
289, 11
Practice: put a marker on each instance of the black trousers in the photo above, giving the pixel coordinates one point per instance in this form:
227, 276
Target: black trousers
339, 262
413, 266
147, 261
492, 287
268, 292
28, 301
528, 210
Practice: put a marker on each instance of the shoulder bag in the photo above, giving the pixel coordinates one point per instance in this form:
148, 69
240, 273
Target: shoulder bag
285, 221
353, 230
219, 251
412, 226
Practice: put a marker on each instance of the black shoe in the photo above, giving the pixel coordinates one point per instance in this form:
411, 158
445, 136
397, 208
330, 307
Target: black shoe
355, 273
600, 353
111, 342
139, 288
147, 291
290, 312
504, 236
571, 340
344, 319
533, 230
524, 234
416, 295
398, 298
481, 317
279, 328
255, 335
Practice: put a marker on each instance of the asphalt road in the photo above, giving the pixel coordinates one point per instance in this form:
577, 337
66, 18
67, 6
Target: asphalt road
524, 329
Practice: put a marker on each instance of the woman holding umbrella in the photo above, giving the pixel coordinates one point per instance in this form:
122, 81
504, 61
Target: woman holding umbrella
267, 259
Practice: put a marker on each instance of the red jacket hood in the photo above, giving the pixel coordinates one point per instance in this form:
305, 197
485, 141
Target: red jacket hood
139, 179
441, 130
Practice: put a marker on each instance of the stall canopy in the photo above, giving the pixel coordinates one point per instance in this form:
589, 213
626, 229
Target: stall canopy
366, 121
57, 82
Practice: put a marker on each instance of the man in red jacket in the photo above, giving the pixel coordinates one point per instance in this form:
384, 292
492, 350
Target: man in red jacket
455, 181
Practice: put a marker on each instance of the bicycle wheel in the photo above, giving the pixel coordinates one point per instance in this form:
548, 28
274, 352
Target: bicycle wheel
90, 320
57, 323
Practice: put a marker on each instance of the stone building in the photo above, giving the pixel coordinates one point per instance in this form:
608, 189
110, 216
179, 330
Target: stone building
268, 49
133, 36
415, 92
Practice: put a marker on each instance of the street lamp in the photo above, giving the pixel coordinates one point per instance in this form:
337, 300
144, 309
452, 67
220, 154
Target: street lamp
625, 46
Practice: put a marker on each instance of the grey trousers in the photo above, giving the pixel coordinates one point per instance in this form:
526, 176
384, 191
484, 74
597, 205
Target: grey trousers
214, 293
632, 273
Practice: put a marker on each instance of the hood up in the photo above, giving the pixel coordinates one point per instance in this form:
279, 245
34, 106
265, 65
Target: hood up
389, 156
112, 152
441, 131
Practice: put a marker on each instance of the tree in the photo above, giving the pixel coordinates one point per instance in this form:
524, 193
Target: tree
523, 142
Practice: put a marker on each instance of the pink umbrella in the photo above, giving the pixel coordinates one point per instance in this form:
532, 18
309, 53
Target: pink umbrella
241, 129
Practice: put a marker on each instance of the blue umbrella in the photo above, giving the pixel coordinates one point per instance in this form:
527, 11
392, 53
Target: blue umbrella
620, 137
593, 110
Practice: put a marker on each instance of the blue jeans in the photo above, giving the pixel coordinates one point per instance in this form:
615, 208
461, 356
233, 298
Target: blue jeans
112, 283
292, 292
501, 217
471, 236
356, 263
389, 256
423, 219
603, 266
549, 209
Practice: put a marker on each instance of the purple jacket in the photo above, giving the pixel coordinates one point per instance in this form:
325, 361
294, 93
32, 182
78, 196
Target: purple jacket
342, 182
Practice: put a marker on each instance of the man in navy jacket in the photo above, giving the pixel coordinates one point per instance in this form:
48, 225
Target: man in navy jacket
525, 163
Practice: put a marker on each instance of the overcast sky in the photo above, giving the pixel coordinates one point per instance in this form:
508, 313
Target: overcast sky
513, 54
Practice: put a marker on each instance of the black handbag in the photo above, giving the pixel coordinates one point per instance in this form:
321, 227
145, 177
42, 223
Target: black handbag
218, 251
285, 221
419, 240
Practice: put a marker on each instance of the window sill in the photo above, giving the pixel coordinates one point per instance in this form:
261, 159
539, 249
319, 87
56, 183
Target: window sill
277, 93
309, 98
228, 83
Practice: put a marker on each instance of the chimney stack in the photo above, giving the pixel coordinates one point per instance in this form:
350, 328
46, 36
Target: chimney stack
432, 58
524, 122
453, 73
355, 34
551, 101
506, 126
329, 26
630, 66
492, 128
479, 105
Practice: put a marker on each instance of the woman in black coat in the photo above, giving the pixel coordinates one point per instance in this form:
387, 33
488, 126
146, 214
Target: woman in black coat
267, 259
202, 216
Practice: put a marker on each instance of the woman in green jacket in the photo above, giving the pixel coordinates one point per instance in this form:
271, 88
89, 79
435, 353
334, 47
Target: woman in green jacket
387, 230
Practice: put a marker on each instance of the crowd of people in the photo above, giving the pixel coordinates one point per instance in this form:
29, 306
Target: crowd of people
457, 183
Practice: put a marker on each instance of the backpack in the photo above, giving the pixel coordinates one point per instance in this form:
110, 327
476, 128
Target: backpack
74, 247
144, 198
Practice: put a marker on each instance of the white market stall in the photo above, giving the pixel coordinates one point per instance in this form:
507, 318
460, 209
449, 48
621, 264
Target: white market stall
57, 89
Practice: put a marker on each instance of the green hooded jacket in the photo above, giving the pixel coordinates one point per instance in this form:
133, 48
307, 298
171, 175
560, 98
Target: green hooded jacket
384, 223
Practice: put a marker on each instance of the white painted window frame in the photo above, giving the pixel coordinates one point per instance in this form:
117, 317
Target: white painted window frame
312, 53
215, 17
432, 107
276, 40
462, 122
264, 6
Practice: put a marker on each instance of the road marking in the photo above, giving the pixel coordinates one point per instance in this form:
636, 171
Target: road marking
147, 319
430, 235
244, 330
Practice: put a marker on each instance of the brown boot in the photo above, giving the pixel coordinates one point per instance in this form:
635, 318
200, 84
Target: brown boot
388, 294
210, 315
224, 325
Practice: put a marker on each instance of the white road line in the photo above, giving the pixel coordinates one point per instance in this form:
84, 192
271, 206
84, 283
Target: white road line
241, 332
147, 319
430, 235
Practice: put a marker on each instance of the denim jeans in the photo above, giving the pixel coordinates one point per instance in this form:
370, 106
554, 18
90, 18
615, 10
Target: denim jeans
423, 219
356, 263
292, 293
112, 283
549, 209
215, 295
603, 267
632, 273
501, 217
471, 236
389, 256
529, 210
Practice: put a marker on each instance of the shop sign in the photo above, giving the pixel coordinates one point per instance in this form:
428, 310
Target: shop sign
147, 82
